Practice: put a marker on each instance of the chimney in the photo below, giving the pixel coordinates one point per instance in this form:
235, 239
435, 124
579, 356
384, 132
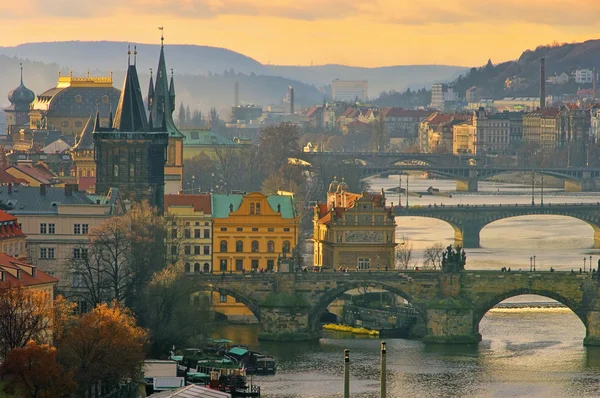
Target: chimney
68, 190
43, 189
236, 94
542, 83
9, 188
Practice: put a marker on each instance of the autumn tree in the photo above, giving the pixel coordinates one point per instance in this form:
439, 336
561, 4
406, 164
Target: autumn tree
432, 257
24, 315
104, 348
35, 373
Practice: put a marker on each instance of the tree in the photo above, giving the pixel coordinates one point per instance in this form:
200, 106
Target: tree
432, 257
24, 315
181, 120
174, 312
404, 253
105, 346
378, 134
35, 372
277, 144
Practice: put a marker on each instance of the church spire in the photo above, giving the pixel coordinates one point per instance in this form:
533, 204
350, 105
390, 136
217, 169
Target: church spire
110, 116
97, 122
172, 92
21, 64
85, 138
130, 114
150, 91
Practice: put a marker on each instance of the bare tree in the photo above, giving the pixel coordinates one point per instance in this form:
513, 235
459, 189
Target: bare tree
404, 257
432, 257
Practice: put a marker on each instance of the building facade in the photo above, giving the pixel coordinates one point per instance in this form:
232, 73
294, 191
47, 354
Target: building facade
67, 106
463, 141
354, 231
350, 90
443, 97
12, 238
192, 214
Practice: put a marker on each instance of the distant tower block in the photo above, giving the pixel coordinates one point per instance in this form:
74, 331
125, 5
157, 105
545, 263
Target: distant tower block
594, 82
542, 83
291, 99
236, 94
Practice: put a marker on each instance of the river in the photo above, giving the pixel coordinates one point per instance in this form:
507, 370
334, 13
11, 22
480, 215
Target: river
525, 352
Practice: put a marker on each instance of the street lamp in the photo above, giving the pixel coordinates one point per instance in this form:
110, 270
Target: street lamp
530, 264
193, 181
542, 190
584, 264
532, 187
534, 263
590, 263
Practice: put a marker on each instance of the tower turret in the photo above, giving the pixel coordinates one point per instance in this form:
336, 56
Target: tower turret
150, 91
172, 92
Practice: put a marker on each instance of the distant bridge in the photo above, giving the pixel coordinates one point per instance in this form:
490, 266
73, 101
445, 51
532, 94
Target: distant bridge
449, 307
469, 220
387, 158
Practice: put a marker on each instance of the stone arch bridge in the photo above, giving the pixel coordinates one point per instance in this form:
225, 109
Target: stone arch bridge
468, 221
449, 306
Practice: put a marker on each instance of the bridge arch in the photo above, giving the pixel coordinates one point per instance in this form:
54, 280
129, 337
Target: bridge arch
485, 306
335, 293
253, 306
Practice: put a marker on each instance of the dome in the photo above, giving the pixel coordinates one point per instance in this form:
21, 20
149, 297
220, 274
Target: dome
343, 186
21, 95
334, 185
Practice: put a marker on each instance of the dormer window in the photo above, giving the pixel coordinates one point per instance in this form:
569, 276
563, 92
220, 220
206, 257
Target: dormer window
19, 274
34, 272
2, 276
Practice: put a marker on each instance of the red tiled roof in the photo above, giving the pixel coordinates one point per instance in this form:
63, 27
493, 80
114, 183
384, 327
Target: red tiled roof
9, 262
9, 227
357, 123
399, 112
312, 111
33, 172
6, 179
201, 202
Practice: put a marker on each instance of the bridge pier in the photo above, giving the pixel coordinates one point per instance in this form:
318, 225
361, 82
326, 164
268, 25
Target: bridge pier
467, 236
468, 185
450, 321
586, 184
286, 317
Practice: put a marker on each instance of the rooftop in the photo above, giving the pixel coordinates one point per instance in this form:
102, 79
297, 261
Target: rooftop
32, 200
17, 272
200, 202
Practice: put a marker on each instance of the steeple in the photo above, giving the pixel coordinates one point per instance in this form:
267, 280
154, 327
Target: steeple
150, 91
172, 92
162, 108
97, 122
86, 136
110, 116
130, 114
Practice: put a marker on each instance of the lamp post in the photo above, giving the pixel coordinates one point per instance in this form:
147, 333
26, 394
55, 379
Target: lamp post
532, 187
530, 264
542, 191
193, 182
584, 264
534, 263
407, 176
590, 263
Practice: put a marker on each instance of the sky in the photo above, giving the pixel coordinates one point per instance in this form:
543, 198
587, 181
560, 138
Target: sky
366, 33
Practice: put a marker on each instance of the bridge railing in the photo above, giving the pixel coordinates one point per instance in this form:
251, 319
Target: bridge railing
498, 205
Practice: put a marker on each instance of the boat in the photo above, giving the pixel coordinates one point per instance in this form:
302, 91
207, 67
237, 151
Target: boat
253, 362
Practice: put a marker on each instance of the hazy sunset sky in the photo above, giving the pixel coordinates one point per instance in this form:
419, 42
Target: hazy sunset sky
298, 32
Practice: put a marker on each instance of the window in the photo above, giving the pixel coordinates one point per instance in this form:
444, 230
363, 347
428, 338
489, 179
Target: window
187, 234
239, 264
364, 263
174, 233
43, 228
187, 250
173, 250
116, 170
254, 229
196, 250
79, 253
105, 99
51, 253
51, 229
270, 265
65, 123
78, 100
206, 268
270, 246
239, 229
223, 265
206, 249
78, 124
254, 246
223, 247
251, 208
206, 233
286, 230
77, 279
223, 229
82, 307
43, 252
196, 233
254, 264
223, 298
187, 267
271, 230
286, 246
77, 229
84, 229
239, 246
197, 267
258, 208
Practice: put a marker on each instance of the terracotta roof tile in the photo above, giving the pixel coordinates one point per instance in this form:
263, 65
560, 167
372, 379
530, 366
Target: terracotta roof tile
201, 202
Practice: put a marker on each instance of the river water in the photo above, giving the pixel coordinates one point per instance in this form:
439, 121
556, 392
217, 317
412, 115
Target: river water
525, 352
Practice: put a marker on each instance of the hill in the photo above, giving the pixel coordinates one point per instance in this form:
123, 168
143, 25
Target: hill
380, 79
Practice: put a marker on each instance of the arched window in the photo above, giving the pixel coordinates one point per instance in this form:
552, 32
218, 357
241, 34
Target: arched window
270, 246
254, 246
251, 208
197, 267
286, 246
187, 267
258, 208
206, 268
132, 170
116, 170
223, 246
239, 246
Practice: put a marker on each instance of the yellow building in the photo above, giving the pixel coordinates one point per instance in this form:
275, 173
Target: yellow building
463, 138
67, 106
250, 233
354, 231
194, 227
